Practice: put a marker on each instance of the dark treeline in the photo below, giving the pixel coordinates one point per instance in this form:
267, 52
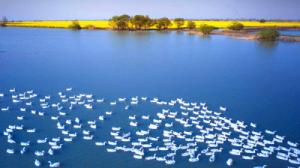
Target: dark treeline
144, 22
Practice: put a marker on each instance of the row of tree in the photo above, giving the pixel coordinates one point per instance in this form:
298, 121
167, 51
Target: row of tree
144, 22
140, 22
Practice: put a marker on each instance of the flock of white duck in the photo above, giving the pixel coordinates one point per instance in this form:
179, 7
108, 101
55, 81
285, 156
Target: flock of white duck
179, 129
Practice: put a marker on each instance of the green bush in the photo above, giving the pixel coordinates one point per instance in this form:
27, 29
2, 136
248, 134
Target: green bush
206, 29
236, 26
268, 34
179, 22
191, 25
75, 25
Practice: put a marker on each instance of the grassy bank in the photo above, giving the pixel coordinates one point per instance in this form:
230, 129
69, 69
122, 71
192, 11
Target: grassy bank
104, 24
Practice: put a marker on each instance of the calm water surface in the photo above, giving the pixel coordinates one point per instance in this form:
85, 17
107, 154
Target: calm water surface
258, 82
290, 32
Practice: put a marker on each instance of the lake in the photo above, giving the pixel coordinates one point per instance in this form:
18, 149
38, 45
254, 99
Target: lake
257, 82
290, 32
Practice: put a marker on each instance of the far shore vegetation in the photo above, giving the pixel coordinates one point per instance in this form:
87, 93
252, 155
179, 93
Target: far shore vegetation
206, 29
266, 29
236, 26
75, 25
191, 25
144, 22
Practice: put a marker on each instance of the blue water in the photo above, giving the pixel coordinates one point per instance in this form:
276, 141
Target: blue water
257, 81
290, 32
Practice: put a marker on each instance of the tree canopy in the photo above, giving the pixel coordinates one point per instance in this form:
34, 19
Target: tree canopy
75, 25
236, 26
206, 29
162, 23
138, 22
191, 25
120, 22
268, 35
179, 22
141, 21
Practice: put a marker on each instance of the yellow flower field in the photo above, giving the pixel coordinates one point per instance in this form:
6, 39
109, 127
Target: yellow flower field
60, 24
104, 24
222, 24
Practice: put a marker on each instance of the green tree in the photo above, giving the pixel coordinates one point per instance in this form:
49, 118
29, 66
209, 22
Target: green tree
124, 21
120, 22
191, 25
179, 22
236, 26
206, 29
113, 22
75, 25
163, 23
268, 35
140, 21
149, 22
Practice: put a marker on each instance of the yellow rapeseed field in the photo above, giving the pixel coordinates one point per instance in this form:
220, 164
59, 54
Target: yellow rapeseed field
61, 24
104, 24
223, 24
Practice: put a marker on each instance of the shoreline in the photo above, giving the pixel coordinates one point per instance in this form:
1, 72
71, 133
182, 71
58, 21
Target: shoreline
248, 34
105, 24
